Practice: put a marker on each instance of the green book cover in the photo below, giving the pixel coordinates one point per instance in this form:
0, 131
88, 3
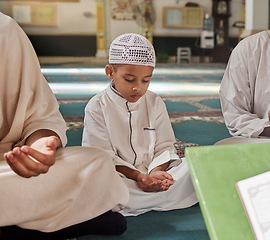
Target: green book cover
214, 171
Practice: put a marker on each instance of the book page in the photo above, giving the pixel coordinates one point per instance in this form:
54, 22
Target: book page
255, 195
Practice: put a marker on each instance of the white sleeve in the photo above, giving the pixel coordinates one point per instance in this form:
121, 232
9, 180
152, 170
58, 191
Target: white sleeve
237, 93
95, 133
165, 139
163, 158
27, 102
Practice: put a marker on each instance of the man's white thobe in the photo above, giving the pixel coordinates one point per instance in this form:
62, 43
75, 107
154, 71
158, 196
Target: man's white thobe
245, 87
77, 187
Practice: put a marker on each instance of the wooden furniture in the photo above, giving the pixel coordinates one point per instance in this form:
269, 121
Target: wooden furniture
34, 13
183, 17
183, 53
221, 14
206, 52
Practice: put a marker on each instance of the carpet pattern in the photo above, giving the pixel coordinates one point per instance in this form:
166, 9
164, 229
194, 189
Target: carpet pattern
198, 113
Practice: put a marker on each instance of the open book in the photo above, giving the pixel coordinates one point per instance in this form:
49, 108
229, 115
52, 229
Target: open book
255, 196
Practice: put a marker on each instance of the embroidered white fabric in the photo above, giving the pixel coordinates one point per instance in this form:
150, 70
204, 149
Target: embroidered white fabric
131, 48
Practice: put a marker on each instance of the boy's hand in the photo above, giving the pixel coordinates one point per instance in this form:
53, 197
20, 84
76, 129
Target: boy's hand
155, 182
166, 178
161, 175
30, 161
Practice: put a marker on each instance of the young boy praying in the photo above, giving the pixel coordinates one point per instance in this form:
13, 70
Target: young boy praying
132, 124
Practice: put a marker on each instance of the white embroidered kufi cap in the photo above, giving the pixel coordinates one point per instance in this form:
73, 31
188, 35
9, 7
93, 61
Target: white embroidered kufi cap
131, 48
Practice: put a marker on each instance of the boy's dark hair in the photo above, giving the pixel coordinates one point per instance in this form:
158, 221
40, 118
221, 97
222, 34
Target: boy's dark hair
116, 66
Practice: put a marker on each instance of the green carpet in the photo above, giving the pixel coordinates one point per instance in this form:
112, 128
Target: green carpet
190, 93
193, 121
185, 224
207, 133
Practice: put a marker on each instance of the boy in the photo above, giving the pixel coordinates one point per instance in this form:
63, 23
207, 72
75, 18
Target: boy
132, 124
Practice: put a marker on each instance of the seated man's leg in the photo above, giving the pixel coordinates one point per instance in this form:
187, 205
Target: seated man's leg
82, 185
109, 223
241, 140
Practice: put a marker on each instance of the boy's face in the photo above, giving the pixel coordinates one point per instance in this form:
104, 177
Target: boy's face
131, 81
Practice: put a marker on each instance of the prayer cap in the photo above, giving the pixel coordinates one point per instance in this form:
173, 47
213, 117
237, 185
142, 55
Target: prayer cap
131, 48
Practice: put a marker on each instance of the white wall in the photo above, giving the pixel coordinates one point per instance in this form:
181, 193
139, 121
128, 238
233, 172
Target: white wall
118, 27
72, 18
236, 15
80, 18
257, 14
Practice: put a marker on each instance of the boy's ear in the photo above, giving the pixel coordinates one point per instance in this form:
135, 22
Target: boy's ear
109, 71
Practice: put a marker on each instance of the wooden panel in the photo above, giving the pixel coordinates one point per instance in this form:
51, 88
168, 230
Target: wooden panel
64, 45
173, 17
193, 17
34, 13
183, 17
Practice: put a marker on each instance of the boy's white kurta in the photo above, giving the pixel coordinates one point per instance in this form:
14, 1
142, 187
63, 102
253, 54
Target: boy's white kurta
139, 135
245, 87
77, 187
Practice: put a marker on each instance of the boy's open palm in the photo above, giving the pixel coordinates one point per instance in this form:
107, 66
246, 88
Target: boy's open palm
157, 181
163, 176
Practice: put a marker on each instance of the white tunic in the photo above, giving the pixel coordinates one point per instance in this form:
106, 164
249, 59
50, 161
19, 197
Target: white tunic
245, 87
139, 135
76, 188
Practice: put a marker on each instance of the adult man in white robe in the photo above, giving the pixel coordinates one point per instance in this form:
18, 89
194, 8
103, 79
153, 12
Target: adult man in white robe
75, 187
245, 90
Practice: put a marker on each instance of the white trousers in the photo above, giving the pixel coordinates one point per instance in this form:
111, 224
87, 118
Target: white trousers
180, 195
81, 185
